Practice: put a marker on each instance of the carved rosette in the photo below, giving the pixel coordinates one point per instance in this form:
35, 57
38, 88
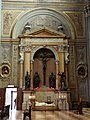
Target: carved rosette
81, 70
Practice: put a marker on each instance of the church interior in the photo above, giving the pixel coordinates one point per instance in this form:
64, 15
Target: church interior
45, 59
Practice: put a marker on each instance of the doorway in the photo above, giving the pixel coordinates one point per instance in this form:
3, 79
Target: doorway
11, 98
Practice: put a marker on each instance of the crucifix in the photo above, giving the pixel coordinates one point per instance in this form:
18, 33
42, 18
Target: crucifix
44, 58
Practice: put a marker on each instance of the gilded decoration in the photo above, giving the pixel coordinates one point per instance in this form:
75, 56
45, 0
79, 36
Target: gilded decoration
78, 20
8, 18
5, 70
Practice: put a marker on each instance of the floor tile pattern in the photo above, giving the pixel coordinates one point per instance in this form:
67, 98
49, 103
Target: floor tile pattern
52, 115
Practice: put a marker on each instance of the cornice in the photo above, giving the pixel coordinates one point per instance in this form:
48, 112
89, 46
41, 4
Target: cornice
46, 1
28, 5
9, 40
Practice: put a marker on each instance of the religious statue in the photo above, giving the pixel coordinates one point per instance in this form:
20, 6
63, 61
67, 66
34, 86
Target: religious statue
27, 80
44, 58
63, 81
52, 80
36, 80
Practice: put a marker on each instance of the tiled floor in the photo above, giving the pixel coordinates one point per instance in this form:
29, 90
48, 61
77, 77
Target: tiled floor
52, 115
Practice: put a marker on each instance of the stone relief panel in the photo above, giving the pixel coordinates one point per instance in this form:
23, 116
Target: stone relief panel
5, 65
78, 20
46, 20
81, 54
72, 81
83, 90
8, 17
14, 64
81, 71
73, 95
6, 50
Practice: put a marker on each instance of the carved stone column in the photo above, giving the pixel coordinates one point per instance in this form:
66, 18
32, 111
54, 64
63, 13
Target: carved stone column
31, 74
21, 74
21, 60
62, 64
27, 63
66, 66
87, 20
57, 66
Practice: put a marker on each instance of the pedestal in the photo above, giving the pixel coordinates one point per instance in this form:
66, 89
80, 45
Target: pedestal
63, 100
26, 101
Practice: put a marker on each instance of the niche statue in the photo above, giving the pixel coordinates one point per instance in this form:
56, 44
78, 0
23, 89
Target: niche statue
36, 80
27, 80
52, 80
63, 81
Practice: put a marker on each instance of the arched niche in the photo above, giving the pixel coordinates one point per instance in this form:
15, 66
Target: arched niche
47, 47
41, 17
44, 64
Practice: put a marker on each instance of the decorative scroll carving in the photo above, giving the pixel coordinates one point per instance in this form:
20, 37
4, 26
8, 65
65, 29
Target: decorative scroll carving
66, 57
21, 54
77, 19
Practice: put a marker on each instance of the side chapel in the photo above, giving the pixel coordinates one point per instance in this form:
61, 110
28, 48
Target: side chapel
43, 51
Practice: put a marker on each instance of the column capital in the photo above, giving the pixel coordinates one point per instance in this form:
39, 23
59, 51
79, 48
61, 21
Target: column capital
87, 10
31, 61
21, 61
57, 61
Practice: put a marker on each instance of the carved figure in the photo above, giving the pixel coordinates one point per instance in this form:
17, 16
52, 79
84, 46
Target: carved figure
63, 81
36, 80
52, 80
27, 80
44, 58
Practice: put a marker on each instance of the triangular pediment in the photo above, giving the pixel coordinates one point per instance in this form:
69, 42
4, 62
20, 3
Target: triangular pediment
44, 32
